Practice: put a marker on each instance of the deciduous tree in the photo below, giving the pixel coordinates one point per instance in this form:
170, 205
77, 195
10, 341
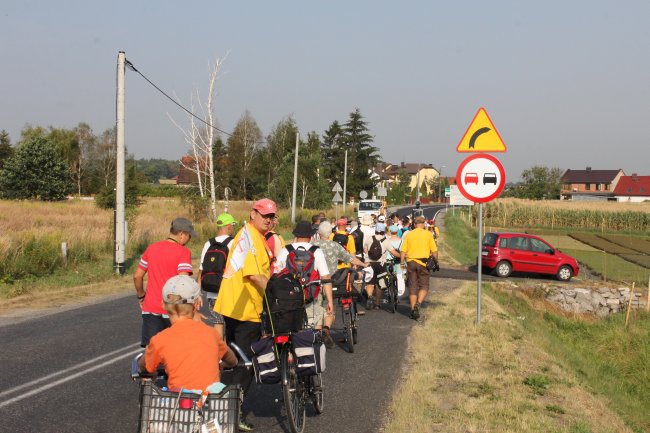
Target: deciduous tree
6, 151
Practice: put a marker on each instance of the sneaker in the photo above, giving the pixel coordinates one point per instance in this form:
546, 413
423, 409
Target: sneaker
415, 313
327, 339
245, 425
369, 304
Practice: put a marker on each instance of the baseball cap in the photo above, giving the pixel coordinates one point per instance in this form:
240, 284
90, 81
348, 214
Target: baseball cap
381, 218
394, 228
265, 206
225, 219
184, 286
380, 227
342, 222
183, 225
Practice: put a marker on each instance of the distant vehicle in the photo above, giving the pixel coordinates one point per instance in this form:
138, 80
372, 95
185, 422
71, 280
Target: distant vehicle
489, 178
368, 207
505, 253
471, 178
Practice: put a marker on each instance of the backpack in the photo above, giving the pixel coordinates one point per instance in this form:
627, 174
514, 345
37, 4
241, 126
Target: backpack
301, 264
341, 239
375, 251
213, 265
284, 304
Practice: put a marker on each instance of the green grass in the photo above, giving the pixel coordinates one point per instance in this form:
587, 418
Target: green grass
461, 240
611, 267
607, 358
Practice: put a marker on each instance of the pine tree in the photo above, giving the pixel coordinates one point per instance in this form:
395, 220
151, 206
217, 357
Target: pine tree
332, 154
362, 156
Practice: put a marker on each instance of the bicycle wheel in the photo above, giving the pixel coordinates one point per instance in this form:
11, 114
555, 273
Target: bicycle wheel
316, 382
292, 392
391, 292
348, 330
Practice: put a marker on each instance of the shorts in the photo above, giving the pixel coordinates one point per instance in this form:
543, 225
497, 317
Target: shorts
151, 325
212, 317
315, 313
418, 277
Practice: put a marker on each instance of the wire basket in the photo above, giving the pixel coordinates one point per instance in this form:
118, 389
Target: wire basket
157, 408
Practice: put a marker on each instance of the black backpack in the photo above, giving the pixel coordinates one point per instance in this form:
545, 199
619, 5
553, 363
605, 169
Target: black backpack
301, 264
213, 265
375, 251
341, 239
284, 303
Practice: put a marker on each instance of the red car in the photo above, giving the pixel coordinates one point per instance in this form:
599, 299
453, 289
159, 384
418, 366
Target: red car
471, 178
505, 253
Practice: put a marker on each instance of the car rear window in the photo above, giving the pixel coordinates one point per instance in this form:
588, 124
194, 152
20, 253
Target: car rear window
490, 239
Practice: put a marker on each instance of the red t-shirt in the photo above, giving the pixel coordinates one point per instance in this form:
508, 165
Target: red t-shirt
190, 352
162, 260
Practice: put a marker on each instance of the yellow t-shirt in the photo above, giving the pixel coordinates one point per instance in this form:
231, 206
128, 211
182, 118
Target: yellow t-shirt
350, 247
238, 297
419, 244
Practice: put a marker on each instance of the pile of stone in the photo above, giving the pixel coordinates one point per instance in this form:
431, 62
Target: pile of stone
601, 301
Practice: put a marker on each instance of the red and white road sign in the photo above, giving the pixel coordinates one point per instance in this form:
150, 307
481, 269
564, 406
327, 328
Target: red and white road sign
480, 178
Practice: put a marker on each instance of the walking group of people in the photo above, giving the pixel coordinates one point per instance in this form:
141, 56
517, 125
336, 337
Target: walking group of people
234, 270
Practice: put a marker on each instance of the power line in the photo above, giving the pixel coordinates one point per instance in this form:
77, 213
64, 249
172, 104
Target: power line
134, 69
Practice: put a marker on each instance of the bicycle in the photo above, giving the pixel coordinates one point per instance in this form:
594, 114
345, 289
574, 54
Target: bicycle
387, 282
342, 283
297, 389
162, 410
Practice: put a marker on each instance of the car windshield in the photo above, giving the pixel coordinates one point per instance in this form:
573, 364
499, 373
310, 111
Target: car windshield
490, 239
369, 205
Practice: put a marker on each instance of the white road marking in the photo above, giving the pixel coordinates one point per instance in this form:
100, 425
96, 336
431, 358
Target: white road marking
65, 371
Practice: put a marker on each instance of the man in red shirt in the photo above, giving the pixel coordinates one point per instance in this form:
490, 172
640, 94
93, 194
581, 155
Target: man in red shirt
190, 350
161, 261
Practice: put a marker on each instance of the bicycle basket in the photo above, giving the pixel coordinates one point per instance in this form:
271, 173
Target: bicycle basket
157, 408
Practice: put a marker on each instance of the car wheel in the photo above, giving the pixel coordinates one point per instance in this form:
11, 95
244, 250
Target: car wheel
503, 269
564, 273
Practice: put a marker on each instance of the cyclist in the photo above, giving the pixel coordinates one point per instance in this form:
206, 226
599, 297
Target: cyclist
396, 243
334, 254
189, 349
315, 311
376, 249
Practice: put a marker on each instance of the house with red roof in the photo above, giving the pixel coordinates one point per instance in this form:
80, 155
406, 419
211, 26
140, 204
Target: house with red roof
633, 189
589, 185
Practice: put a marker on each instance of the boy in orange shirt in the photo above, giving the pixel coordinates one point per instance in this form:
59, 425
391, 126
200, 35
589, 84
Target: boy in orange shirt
189, 350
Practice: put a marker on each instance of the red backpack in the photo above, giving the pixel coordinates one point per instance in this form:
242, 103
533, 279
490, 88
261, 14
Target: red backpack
301, 264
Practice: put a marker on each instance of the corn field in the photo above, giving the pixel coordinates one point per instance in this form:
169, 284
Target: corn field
513, 214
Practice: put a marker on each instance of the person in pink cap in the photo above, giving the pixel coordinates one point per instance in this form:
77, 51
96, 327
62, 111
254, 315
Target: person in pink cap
241, 295
343, 238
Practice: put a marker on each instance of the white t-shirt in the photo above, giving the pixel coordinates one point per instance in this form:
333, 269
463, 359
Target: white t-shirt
205, 250
319, 258
386, 245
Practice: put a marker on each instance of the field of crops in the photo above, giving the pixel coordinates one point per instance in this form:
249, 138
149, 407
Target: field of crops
636, 243
611, 267
601, 243
563, 215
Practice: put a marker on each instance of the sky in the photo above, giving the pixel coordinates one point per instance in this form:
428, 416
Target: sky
566, 83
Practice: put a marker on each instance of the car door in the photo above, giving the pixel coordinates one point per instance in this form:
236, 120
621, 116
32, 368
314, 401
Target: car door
543, 258
518, 253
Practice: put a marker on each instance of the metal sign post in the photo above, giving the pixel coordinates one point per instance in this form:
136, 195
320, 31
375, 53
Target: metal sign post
479, 268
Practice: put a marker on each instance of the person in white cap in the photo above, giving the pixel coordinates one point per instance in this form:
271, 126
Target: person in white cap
190, 350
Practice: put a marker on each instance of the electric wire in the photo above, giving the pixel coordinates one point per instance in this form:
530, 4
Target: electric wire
134, 69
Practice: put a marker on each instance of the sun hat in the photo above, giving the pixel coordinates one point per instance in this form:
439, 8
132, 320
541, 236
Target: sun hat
394, 228
303, 229
265, 206
184, 286
225, 219
183, 225
380, 228
366, 220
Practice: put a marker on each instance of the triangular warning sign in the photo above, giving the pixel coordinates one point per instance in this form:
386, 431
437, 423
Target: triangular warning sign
481, 136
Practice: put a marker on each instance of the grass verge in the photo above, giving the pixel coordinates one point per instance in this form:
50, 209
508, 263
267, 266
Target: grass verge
492, 378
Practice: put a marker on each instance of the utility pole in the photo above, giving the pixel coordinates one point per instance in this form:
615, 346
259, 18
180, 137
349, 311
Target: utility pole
295, 181
417, 184
120, 223
345, 183
440, 182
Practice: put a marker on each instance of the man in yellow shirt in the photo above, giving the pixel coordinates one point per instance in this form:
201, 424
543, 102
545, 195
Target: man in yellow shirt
343, 238
416, 249
241, 295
